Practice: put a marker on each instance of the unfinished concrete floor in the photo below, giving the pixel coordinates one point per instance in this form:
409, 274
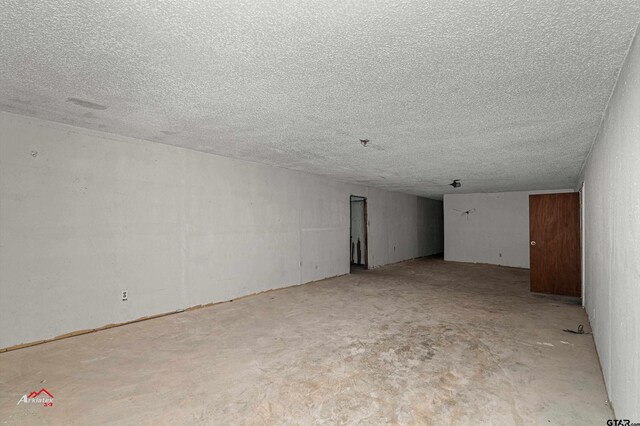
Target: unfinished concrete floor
420, 342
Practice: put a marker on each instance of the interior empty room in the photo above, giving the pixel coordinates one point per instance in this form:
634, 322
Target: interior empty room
320, 212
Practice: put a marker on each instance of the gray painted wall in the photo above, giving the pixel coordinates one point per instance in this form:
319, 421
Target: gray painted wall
612, 247
85, 215
496, 232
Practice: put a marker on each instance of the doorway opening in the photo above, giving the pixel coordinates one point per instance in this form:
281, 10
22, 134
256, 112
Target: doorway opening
358, 244
583, 239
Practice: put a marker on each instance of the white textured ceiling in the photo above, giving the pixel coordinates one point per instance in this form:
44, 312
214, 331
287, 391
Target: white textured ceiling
503, 94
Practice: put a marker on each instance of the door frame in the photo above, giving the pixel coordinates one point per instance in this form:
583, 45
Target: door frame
358, 198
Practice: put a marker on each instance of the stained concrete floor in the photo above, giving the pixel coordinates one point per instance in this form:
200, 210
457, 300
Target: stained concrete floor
420, 342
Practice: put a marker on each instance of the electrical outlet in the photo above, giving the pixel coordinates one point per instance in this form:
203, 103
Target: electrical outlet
125, 295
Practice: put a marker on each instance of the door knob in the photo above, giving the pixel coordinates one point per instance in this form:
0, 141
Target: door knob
533, 243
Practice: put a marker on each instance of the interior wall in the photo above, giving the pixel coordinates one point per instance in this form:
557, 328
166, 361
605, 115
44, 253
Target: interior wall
85, 215
612, 250
495, 231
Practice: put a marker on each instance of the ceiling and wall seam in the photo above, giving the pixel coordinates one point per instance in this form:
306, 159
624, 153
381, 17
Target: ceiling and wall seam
605, 111
128, 139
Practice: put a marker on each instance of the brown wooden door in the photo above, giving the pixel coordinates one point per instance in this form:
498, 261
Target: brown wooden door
554, 237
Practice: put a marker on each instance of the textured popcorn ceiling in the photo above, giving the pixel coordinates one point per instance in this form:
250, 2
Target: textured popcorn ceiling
503, 94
